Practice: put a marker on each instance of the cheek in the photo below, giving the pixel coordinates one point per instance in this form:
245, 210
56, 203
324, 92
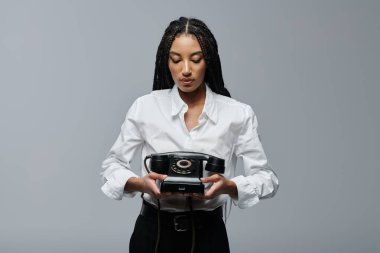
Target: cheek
173, 70
201, 70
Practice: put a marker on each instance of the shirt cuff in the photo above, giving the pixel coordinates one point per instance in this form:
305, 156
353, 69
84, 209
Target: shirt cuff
114, 186
247, 193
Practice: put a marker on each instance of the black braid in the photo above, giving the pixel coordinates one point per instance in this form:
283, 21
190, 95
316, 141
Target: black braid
213, 76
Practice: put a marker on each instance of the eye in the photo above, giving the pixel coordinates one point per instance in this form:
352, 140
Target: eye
175, 60
197, 61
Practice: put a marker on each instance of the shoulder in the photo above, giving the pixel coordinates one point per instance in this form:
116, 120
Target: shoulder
145, 105
232, 105
152, 97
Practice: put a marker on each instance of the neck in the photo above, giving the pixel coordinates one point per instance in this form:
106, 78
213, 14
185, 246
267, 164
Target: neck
194, 98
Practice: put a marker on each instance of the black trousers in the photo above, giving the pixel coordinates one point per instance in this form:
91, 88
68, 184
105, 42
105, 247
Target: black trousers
210, 236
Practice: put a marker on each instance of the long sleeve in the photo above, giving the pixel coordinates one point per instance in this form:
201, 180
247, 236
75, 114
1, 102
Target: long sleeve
116, 167
259, 181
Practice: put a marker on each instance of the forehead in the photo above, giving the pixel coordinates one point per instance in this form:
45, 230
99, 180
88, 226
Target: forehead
185, 44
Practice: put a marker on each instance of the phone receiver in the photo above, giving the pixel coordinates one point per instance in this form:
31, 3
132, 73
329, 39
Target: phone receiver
215, 164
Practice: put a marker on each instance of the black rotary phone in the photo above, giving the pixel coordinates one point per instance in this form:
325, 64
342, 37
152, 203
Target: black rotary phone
184, 170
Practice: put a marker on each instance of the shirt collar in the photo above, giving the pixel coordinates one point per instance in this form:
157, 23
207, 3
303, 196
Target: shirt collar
209, 109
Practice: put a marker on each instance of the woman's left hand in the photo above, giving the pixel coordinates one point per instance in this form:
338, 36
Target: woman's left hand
220, 185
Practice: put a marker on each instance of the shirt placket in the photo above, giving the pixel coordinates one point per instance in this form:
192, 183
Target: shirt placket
190, 136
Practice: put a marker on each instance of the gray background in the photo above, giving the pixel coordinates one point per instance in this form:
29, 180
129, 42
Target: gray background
69, 70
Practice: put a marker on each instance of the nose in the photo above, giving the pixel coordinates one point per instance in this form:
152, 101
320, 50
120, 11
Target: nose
186, 71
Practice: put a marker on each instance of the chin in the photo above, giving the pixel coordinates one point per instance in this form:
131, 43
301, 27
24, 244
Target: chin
188, 89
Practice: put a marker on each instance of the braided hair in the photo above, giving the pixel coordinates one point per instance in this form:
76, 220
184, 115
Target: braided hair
213, 76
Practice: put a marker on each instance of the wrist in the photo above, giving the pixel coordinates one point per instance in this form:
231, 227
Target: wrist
133, 184
232, 189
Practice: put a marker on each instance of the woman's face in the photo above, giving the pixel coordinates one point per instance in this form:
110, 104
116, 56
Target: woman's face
186, 63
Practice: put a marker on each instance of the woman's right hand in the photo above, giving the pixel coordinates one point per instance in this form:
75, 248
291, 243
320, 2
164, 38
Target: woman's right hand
149, 184
146, 184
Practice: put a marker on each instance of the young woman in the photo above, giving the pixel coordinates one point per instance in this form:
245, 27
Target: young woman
189, 109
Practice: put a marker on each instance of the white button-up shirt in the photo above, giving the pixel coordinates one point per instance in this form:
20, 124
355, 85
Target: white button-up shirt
226, 129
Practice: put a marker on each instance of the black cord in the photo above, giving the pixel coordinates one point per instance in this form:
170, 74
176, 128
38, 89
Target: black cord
146, 167
158, 211
158, 226
189, 200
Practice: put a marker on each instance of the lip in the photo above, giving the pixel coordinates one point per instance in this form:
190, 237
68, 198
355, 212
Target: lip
187, 80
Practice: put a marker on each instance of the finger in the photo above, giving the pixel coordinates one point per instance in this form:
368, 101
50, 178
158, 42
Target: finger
210, 194
213, 191
153, 189
156, 194
211, 179
198, 196
166, 194
156, 176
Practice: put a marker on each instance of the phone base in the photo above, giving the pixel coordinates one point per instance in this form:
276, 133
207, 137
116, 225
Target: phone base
186, 187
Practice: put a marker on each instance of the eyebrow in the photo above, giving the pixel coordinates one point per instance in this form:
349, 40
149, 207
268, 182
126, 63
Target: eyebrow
198, 52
